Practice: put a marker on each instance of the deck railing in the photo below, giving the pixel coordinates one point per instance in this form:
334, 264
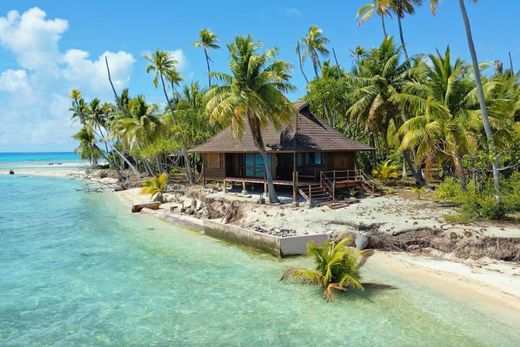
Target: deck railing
328, 179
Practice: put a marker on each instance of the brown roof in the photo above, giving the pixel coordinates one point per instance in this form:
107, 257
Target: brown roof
313, 135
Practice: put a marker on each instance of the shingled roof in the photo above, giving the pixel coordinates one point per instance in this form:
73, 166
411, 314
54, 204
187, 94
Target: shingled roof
313, 135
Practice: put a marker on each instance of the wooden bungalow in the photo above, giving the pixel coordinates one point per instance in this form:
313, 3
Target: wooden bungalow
306, 154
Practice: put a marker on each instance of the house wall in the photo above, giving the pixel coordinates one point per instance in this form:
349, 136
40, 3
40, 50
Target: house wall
340, 161
214, 165
220, 165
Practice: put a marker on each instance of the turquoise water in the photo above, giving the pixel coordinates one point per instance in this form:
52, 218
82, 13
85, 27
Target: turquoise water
78, 270
20, 162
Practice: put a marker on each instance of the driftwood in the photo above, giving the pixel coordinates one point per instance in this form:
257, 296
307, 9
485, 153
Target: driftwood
151, 205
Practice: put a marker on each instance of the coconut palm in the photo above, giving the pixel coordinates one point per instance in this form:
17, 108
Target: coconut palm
79, 107
444, 121
162, 64
378, 77
480, 92
253, 94
207, 42
87, 148
378, 7
155, 186
138, 127
313, 45
401, 8
336, 267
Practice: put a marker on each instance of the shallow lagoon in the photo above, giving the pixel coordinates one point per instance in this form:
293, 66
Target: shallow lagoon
77, 269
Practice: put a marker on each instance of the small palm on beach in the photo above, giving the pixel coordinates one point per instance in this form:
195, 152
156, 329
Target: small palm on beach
337, 267
155, 186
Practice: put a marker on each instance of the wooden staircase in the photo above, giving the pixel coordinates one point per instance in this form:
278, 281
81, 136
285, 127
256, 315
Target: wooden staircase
315, 193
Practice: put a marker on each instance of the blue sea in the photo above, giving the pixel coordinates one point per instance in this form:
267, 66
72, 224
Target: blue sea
78, 269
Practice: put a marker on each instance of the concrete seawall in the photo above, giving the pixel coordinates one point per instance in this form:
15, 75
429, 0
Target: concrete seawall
277, 246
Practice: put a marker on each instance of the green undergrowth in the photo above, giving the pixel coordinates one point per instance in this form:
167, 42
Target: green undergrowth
478, 202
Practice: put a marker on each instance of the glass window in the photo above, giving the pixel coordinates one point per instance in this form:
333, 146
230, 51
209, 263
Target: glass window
254, 165
309, 159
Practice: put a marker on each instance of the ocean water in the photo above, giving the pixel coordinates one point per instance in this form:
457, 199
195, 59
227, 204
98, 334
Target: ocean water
78, 269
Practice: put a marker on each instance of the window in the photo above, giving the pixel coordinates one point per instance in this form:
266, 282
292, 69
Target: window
254, 165
310, 159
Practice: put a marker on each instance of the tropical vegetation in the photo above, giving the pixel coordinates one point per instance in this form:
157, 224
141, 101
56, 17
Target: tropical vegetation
336, 267
430, 116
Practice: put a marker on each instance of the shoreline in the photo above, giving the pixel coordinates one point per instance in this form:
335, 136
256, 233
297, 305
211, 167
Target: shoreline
490, 286
493, 289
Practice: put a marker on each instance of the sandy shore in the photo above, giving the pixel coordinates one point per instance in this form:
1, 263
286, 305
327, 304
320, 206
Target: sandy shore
493, 290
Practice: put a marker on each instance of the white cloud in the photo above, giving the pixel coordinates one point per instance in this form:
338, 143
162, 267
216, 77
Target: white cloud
34, 98
31, 37
180, 57
13, 80
92, 74
293, 12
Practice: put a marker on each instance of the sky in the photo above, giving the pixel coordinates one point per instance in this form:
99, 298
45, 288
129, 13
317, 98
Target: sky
48, 47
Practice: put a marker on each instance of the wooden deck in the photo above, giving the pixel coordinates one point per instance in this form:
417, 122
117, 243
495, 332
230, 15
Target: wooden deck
300, 183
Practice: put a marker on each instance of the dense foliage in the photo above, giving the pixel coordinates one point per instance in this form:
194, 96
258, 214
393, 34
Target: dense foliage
429, 116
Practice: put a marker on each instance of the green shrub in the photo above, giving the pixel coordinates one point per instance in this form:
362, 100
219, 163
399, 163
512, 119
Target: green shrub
479, 202
449, 189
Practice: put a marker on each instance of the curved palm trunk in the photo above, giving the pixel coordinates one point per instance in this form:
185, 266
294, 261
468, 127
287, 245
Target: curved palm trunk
256, 131
301, 63
384, 26
419, 180
189, 175
207, 64
481, 99
401, 36
459, 170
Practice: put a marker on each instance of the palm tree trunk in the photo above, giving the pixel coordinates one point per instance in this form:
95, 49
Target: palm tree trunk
187, 165
132, 167
256, 131
401, 36
273, 197
419, 180
315, 66
207, 63
384, 26
301, 63
459, 170
482, 100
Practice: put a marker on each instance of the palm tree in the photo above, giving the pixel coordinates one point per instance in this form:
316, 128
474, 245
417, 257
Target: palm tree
87, 148
378, 7
79, 107
155, 186
480, 91
138, 126
401, 8
337, 267
207, 41
163, 65
379, 76
313, 45
252, 94
444, 124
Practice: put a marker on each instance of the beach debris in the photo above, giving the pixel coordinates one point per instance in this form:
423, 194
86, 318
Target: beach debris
361, 241
151, 205
276, 231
